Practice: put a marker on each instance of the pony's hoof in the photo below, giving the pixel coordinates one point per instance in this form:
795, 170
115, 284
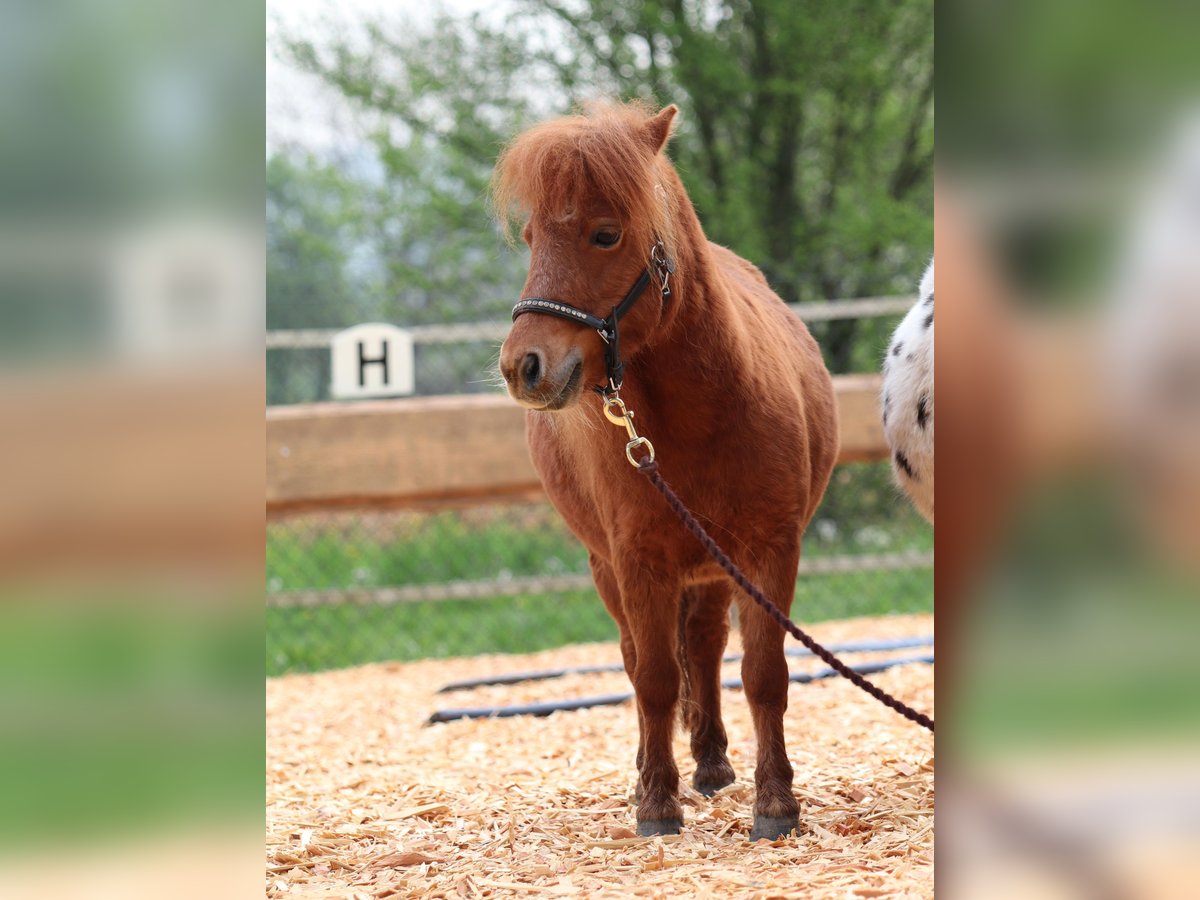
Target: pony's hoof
655, 827
709, 787
771, 828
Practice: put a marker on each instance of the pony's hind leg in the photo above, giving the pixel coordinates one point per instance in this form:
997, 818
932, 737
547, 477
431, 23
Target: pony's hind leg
651, 612
705, 631
765, 677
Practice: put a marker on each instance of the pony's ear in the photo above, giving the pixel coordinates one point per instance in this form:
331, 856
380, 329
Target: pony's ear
658, 128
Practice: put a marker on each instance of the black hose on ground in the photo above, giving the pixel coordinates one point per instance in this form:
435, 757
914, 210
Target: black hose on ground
545, 674
545, 709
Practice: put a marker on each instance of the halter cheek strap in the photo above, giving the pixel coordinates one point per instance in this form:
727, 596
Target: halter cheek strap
608, 327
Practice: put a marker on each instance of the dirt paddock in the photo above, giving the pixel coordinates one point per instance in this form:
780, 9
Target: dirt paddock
364, 800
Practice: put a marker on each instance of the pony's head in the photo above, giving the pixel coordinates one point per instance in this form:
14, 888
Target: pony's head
594, 192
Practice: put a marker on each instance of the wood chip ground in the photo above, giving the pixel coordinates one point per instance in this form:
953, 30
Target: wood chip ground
364, 800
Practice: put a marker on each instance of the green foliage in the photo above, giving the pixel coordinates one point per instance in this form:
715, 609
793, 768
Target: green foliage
417, 242
807, 136
315, 217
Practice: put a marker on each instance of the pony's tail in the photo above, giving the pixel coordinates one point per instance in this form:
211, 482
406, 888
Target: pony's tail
686, 711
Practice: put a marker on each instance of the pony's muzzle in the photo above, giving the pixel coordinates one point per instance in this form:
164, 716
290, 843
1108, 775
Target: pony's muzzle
539, 383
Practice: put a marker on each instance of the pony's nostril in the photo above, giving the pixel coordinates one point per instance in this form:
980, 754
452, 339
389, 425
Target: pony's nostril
531, 370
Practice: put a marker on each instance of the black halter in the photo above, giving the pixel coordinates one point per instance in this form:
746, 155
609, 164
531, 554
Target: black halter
607, 327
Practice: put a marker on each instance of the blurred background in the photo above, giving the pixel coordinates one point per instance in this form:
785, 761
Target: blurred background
806, 142
1068, 234
131, 395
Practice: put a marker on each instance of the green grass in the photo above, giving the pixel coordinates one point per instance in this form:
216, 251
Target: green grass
861, 514
378, 551
345, 635
333, 636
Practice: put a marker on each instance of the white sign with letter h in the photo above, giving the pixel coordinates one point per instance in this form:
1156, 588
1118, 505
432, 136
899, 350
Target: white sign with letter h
372, 360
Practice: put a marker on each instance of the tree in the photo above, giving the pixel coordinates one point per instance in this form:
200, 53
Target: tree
313, 221
806, 138
437, 106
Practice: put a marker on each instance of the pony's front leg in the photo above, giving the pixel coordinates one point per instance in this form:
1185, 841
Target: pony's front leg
652, 614
609, 590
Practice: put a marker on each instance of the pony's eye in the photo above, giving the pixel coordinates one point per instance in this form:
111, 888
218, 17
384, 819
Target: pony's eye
606, 237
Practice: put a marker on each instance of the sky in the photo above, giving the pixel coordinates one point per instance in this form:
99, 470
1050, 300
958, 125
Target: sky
301, 112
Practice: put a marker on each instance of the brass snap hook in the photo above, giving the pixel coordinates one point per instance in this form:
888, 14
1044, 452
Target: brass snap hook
612, 401
617, 413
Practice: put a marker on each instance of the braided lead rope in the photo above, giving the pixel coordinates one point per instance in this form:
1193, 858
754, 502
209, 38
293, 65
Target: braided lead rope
648, 467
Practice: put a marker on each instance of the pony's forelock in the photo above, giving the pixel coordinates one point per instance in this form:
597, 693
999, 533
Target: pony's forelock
554, 167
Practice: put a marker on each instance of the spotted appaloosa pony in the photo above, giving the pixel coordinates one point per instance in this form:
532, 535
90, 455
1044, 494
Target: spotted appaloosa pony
908, 399
731, 389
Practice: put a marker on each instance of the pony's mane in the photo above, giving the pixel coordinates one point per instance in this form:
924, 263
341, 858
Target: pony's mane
555, 167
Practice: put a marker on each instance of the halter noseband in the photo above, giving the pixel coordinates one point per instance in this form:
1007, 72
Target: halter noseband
607, 327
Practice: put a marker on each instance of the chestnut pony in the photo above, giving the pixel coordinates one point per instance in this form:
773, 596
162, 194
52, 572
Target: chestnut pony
730, 387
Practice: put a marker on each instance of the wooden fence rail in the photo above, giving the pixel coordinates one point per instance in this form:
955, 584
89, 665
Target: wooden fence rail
434, 452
